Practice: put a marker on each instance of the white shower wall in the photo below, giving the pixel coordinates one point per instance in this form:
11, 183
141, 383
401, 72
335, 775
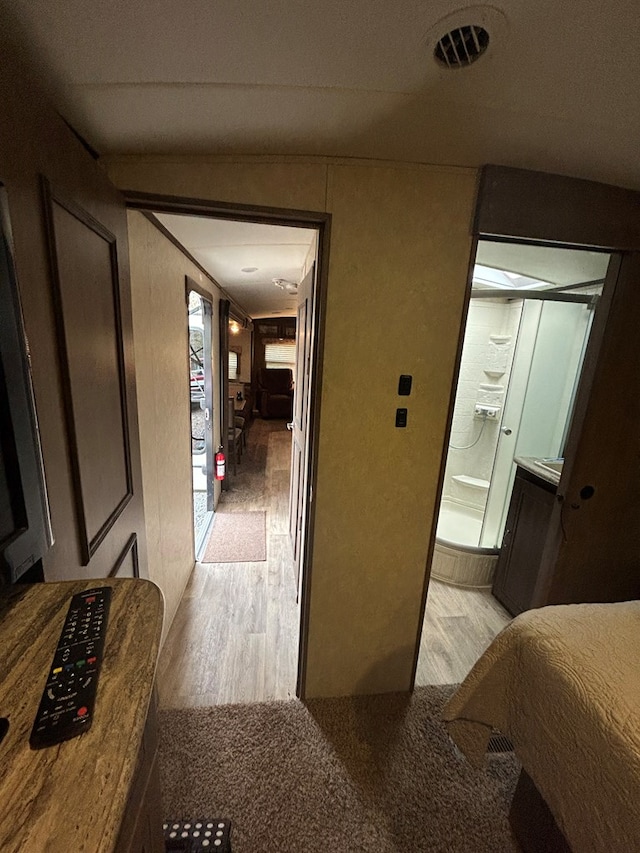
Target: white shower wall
486, 317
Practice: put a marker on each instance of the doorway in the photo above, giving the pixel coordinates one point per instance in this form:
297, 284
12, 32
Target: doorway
202, 411
250, 606
528, 323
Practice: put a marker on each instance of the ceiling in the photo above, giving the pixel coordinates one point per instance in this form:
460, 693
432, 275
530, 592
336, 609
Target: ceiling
225, 248
542, 263
557, 89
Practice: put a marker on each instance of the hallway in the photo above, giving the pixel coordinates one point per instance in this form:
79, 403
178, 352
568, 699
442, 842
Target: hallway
235, 635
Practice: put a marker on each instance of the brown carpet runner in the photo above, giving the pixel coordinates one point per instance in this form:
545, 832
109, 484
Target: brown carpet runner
237, 537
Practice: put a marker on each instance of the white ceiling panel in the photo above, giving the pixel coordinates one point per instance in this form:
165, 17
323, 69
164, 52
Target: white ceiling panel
557, 89
544, 263
226, 247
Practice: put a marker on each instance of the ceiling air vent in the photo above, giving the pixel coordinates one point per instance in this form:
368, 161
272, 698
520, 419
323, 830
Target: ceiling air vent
461, 46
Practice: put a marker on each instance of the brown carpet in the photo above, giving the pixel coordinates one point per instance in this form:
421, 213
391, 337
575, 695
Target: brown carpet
237, 537
373, 774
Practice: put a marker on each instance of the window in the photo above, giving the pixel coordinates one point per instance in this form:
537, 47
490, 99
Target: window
234, 364
281, 354
196, 348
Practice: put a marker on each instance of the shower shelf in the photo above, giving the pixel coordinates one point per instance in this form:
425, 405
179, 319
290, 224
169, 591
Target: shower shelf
472, 482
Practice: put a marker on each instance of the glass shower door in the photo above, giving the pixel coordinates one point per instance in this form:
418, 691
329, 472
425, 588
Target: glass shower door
548, 359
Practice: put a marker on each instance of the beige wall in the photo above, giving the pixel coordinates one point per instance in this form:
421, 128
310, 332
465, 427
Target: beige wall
158, 271
400, 244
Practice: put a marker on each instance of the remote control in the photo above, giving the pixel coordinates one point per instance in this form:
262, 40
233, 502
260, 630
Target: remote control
66, 706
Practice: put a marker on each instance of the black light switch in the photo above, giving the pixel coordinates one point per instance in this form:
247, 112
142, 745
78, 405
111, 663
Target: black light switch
404, 385
401, 417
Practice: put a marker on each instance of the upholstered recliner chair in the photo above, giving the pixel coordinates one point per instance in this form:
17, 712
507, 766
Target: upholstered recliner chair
275, 392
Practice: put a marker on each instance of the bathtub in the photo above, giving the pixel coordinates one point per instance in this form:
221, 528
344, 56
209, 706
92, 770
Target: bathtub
457, 557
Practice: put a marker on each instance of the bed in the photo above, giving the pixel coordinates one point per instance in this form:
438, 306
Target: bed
563, 684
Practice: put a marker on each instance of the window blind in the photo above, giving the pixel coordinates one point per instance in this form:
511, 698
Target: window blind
282, 354
233, 365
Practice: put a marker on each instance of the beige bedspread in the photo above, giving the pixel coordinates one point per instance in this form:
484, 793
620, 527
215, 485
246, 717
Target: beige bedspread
564, 684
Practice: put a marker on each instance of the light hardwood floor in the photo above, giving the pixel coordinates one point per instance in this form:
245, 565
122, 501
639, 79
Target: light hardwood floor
235, 635
458, 626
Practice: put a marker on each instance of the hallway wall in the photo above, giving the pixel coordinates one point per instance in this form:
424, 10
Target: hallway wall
158, 271
400, 245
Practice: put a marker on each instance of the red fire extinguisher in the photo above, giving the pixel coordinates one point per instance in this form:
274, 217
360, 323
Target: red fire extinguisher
221, 464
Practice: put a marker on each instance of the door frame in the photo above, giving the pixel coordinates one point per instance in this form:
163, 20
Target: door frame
209, 392
321, 221
538, 208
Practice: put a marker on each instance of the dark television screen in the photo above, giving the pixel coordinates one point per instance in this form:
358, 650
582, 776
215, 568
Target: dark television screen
25, 532
13, 515
7, 515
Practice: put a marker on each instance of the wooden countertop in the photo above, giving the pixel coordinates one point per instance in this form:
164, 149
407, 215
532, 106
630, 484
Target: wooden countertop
71, 797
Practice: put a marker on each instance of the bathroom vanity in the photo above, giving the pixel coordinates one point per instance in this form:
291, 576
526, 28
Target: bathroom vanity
532, 500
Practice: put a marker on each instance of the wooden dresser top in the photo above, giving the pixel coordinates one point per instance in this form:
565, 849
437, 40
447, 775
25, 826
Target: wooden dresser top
72, 797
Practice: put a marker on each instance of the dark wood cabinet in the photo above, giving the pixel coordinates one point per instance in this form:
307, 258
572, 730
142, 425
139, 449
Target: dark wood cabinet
279, 327
141, 828
524, 538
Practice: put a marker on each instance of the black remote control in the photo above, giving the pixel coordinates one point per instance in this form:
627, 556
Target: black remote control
66, 706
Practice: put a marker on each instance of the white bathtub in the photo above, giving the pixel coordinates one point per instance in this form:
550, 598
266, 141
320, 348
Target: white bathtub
457, 557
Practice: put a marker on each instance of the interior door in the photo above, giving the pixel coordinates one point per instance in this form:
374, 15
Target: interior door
299, 425
593, 547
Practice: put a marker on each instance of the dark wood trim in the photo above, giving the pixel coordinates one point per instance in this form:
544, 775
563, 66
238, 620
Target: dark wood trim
191, 284
313, 428
88, 147
174, 240
224, 210
132, 545
525, 206
88, 547
275, 216
443, 457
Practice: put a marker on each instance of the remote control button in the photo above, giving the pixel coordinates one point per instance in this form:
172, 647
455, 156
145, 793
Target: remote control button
66, 705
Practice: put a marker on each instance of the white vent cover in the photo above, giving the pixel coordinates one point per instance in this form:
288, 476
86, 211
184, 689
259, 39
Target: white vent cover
462, 46
463, 36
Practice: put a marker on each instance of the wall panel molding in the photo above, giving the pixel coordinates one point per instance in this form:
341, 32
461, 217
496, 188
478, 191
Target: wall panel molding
131, 548
87, 306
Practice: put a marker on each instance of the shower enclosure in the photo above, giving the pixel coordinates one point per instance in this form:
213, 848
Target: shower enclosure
521, 362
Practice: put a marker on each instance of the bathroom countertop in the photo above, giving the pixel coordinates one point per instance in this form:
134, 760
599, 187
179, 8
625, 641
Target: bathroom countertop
529, 464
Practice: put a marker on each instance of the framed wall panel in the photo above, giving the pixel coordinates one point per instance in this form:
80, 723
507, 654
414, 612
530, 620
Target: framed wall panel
126, 566
86, 287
